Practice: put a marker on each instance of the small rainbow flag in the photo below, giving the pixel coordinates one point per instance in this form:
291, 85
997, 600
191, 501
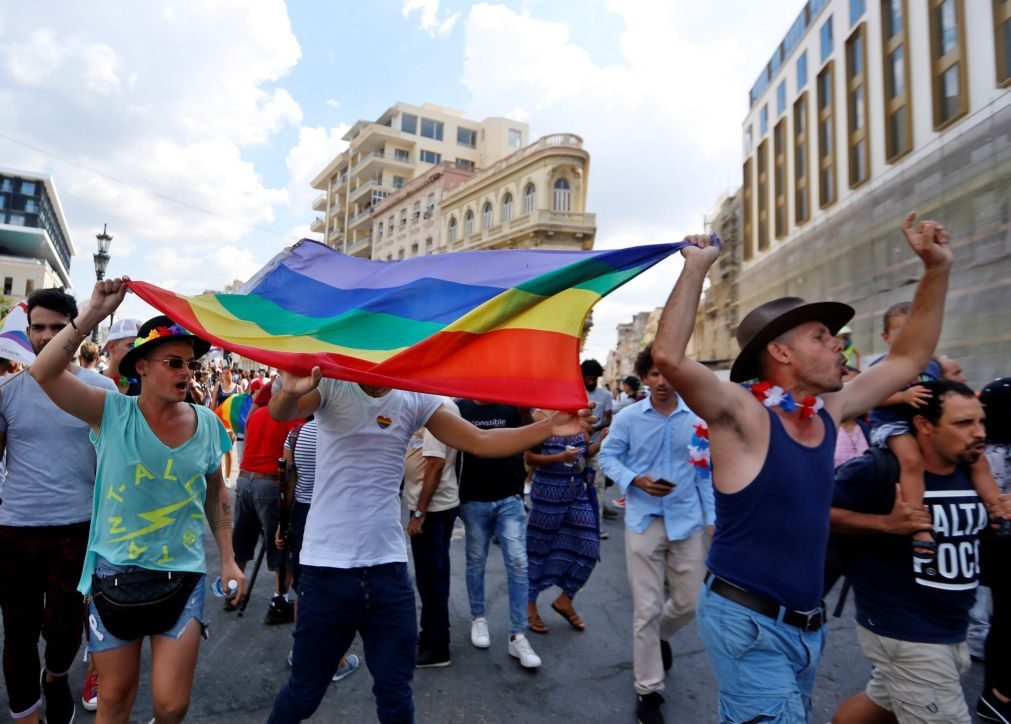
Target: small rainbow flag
234, 411
499, 325
14, 342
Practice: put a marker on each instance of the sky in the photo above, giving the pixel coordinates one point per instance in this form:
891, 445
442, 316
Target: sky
193, 128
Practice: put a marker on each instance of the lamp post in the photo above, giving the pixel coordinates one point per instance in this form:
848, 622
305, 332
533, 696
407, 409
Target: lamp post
101, 264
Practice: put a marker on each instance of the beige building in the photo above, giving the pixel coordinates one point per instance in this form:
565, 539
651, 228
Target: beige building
632, 337
385, 154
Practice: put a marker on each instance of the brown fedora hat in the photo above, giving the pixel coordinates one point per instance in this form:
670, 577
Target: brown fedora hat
767, 321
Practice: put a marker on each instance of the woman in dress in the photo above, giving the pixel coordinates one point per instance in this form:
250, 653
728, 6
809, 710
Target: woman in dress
158, 477
563, 529
225, 388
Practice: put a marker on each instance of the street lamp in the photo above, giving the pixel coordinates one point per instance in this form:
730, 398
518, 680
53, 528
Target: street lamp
101, 264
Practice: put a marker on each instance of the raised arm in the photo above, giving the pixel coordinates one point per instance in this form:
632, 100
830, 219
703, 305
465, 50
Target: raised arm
918, 338
456, 432
710, 398
50, 368
298, 397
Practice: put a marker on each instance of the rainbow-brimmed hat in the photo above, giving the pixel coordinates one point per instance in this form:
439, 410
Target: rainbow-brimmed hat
155, 331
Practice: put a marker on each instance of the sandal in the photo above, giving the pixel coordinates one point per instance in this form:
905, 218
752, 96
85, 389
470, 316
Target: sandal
571, 616
535, 623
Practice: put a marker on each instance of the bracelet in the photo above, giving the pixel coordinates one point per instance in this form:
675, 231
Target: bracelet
74, 325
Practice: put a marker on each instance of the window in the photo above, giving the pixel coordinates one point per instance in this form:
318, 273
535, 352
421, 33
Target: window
400, 154
31, 207
398, 182
464, 163
429, 206
826, 138
563, 196
801, 209
414, 249
466, 137
5, 185
416, 211
27, 188
781, 99
3, 201
431, 129
763, 196
16, 219
379, 230
428, 245
400, 253
515, 137
529, 194
749, 140
430, 157
857, 8
451, 233
746, 201
403, 217
1002, 40
802, 71
29, 287
779, 178
947, 60
487, 216
408, 123
507, 207
8, 286
826, 39
468, 223
898, 121
763, 121
856, 106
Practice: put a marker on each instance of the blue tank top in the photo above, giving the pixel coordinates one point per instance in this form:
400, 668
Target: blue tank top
771, 536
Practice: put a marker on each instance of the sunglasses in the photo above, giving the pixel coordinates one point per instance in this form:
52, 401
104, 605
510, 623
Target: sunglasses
177, 363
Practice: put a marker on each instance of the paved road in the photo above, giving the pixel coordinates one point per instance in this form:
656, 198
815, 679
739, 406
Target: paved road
586, 677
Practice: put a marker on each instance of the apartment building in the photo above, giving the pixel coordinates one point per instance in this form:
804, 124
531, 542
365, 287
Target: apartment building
385, 154
866, 110
35, 246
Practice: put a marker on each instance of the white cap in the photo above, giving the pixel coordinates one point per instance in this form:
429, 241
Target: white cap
123, 328
273, 373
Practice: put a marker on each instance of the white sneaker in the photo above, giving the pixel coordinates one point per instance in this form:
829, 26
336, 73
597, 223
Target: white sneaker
479, 633
521, 649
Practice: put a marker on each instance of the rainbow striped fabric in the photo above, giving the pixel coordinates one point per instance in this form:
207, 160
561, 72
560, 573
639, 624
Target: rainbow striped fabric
234, 411
14, 342
499, 325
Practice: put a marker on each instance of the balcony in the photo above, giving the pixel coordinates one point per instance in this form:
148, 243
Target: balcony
359, 191
557, 140
319, 203
318, 225
579, 225
361, 218
374, 136
360, 247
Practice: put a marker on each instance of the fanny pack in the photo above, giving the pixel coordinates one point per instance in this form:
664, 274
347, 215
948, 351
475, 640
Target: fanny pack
142, 603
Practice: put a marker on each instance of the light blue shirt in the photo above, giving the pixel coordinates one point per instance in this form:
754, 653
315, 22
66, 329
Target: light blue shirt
643, 441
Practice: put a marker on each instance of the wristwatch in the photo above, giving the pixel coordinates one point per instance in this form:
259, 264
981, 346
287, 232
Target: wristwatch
417, 514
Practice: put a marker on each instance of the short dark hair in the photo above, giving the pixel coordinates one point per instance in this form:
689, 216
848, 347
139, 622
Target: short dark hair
996, 399
940, 390
55, 300
591, 367
644, 362
633, 382
894, 311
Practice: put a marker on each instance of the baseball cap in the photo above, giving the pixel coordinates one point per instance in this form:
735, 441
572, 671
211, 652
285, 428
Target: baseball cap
123, 329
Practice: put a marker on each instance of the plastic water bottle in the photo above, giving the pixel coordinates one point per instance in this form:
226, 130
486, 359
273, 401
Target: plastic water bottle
218, 591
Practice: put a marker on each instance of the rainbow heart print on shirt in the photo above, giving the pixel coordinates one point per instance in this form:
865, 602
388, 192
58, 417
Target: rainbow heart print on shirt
384, 422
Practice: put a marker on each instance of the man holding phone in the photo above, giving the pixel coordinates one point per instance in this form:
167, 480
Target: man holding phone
667, 514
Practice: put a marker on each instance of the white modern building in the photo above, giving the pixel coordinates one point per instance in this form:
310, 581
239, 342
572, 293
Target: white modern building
35, 246
869, 109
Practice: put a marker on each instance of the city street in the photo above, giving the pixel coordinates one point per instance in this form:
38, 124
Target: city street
586, 677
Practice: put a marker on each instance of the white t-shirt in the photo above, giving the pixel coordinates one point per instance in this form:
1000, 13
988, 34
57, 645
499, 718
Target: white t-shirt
604, 404
447, 495
354, 520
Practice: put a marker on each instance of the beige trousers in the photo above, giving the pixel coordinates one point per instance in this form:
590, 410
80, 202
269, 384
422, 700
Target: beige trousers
650, 556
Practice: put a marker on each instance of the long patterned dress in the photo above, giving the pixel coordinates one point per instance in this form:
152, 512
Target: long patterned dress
563, 531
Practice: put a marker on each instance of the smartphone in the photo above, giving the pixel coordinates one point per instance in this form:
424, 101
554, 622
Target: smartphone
669, 484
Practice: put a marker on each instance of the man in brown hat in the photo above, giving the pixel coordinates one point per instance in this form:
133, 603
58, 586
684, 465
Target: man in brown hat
760, 613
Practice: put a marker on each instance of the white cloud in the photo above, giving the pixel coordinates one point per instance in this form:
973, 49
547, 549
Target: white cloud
333, 102
428, 20
191, 273
316, 148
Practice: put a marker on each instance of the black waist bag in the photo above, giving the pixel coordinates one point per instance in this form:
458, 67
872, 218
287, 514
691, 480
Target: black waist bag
144, 603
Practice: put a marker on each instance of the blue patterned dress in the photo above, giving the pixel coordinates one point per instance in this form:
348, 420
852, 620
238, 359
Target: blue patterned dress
563, 531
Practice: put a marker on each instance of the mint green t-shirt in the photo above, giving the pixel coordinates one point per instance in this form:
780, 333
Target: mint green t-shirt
148, 508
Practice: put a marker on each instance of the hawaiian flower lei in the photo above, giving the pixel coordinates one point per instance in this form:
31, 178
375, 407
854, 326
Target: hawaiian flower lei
772, 396
173, 330
698, 451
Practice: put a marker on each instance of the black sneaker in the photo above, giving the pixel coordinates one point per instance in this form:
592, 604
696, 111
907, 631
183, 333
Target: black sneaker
60, 707
991, 708
431, 659
647, 708
280, 611
666, 655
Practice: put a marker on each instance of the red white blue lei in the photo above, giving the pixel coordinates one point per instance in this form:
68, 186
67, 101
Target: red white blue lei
698, 451
775, 396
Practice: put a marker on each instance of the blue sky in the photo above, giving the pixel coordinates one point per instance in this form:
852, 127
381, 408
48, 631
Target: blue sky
152, 114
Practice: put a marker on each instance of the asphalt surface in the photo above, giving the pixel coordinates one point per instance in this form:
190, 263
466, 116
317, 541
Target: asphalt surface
586, 677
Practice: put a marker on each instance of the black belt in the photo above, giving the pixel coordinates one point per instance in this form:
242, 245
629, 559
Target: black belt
766, 606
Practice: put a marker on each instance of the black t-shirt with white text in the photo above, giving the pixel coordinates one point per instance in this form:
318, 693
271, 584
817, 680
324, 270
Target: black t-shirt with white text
490, 479
918, 601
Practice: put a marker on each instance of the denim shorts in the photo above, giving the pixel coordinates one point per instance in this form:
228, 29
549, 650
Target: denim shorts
99, 638
881, 433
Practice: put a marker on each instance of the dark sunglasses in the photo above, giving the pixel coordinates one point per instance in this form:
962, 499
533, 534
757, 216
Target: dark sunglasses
177, 363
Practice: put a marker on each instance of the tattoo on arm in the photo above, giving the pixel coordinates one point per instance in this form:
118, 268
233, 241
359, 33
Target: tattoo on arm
70, 348
217, 511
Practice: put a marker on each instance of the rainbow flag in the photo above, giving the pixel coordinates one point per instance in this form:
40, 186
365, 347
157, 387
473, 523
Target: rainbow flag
14, 342
234, 411
499, 325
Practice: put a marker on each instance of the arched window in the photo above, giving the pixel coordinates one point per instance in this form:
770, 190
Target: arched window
468, 224
486, 216
507, 207
563, 196
528, 198
451, 235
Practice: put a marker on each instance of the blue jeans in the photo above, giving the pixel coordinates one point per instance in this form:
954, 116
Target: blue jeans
505, 519
335, 603
765, 668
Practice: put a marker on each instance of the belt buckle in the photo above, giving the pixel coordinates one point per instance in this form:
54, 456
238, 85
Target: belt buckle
813, 621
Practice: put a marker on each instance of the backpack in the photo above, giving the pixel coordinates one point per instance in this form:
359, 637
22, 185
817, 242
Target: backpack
842, 548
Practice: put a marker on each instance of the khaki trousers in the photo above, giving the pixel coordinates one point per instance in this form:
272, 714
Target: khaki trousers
649, 556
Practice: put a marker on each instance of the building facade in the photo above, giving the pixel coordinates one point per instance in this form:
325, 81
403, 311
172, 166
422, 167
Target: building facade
632, 337
869, 109
35, 246
385, 154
